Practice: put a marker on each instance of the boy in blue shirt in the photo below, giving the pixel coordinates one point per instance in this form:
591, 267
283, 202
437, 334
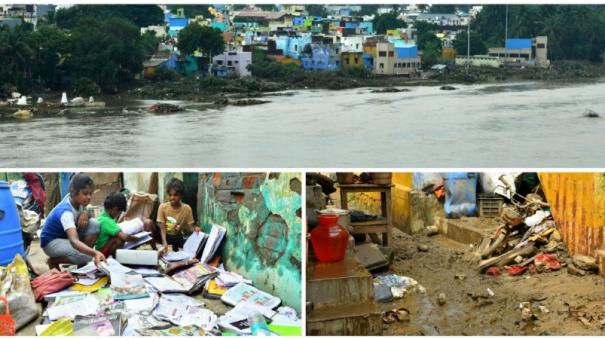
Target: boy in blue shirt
69, 233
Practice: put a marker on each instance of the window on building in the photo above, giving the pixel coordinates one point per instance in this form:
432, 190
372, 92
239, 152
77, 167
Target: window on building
229, 63
219, 62
382, 54
356, 60
541, 46
347, 61
391, 54
236, 61
381, 65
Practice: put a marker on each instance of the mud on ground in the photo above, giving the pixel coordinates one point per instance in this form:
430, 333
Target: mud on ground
575, 304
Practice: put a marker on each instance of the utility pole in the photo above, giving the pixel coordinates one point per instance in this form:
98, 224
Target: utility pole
468, 44
506, 35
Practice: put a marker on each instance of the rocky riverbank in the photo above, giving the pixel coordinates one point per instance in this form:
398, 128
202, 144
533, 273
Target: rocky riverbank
219, 92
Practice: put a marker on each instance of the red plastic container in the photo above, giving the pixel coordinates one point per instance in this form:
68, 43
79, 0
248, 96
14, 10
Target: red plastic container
329, 239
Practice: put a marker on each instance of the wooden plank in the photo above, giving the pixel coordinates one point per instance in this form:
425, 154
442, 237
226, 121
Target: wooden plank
381, 222
370, 229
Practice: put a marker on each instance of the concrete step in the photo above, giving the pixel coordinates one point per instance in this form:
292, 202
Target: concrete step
467, 230
353, 319
341, 283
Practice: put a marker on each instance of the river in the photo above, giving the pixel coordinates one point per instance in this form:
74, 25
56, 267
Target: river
528, 124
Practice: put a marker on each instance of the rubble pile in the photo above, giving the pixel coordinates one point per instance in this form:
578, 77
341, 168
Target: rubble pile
528, 242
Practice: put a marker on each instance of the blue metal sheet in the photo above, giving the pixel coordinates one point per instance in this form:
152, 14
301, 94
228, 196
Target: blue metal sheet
518, 43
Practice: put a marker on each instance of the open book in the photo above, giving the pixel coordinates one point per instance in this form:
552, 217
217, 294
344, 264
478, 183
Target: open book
128, 286
249, 294
191, 248
188, 280
143, 237
217, 233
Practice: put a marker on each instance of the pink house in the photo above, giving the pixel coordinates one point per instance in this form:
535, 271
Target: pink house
236, 62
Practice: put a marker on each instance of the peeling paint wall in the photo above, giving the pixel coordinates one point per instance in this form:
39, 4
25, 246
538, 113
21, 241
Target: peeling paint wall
578, 207
262, 215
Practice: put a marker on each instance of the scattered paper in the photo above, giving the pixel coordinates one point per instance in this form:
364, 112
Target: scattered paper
142, 304
165, 284
184, 311
249, 294
71, 306
86, 269
142, 237
128, 286
132, 226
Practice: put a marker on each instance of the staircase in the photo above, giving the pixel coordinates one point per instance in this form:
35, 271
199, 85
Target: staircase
342, 295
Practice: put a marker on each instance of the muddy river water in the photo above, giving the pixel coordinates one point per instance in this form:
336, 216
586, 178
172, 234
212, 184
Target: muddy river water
530, 124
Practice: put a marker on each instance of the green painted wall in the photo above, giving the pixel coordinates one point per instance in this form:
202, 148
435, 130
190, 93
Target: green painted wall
262, 215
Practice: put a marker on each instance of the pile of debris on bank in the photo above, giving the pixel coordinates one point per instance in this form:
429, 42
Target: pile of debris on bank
527, 239
139, 293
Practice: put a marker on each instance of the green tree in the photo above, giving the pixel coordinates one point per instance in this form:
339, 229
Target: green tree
442, 9
430, 46
150, 43
52, 51
191, 11
108, 52
477, 46
368, 9
387, 21
208, 40
140, 15
316, 10
16, 53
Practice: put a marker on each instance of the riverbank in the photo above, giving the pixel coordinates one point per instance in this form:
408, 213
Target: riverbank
219, 92
217, 89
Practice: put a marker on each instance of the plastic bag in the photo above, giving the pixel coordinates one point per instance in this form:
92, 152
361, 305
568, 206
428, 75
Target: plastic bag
15, 286
51, 282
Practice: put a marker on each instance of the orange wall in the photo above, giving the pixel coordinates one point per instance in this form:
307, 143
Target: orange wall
578, 207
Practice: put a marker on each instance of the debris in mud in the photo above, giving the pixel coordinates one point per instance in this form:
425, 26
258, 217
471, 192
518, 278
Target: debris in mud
460, 276
23, 114
573, 270
399, 285
382, 293
390, 90
441, 300
423, 247
447, 88
401, 314
431, 230
585, 263
165, 108
539, 297
591, 114
526, 311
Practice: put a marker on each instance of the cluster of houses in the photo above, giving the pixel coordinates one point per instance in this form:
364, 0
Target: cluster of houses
14, 15
289, 35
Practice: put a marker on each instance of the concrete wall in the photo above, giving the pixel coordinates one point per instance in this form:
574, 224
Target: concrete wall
262, 215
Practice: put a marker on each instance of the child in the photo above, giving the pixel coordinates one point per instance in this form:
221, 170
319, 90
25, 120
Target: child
175, 217
69, 233
111, 237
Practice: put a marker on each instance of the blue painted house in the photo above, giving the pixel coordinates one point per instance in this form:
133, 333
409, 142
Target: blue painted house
220, 25
298, 21
176, 24
366, 27
292, 46
322, 58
